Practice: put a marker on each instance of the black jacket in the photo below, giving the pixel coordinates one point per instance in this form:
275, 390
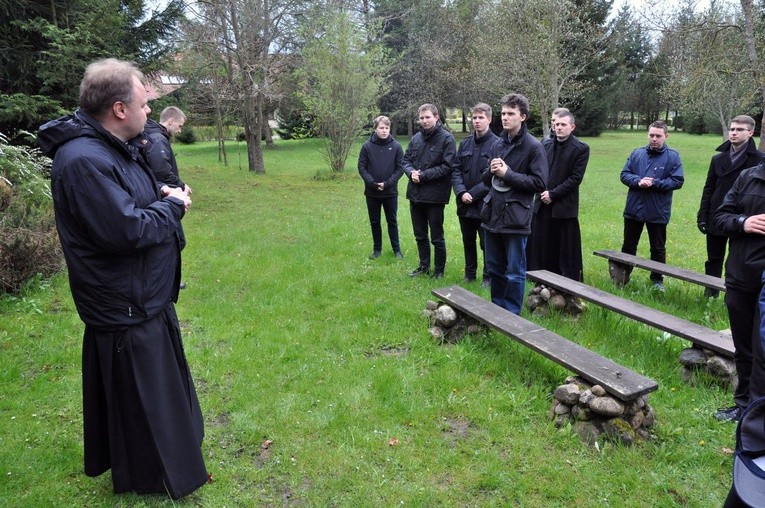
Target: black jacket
381, 160
121, 239
473, 155
434, 154
160, 155
511, 211
720, 179
567, 162
746, 253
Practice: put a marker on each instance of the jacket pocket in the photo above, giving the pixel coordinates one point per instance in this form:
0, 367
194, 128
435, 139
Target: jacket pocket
486, 209
515, 214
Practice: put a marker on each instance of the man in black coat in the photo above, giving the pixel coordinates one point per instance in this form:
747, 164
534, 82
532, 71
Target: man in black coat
555, 243
741, 217
159, 153
517, 171
474, 155
736, 154
429, 161
121, 237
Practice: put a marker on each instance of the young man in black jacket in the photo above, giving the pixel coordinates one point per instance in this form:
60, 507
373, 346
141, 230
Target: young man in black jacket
474, 155
429, 161
517, 171
736, 154
159, 153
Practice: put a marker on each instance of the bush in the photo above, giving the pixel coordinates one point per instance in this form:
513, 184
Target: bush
28, 241
296, 125
186, 136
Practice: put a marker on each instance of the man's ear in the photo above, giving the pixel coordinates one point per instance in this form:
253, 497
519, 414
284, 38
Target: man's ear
118, 108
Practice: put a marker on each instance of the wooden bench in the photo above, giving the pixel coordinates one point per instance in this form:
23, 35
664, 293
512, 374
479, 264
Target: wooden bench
619, 381
622, 258
700, 335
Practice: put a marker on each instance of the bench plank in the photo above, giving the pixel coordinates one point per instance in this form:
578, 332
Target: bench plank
698, 334
663, 268
615, 379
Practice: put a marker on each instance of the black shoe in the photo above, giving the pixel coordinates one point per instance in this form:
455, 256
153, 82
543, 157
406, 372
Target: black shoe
468, 279
437, 275
398, 255
728, 414
486, 283
374, 255
182, 285
711, 293
420, 270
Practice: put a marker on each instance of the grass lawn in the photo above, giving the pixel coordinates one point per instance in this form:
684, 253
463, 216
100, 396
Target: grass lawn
318, 380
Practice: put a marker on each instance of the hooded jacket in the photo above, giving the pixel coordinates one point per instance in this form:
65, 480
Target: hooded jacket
722, 173
651, 204
433, 153
120, 238
474, 155
511, 211
381, 160
746, 251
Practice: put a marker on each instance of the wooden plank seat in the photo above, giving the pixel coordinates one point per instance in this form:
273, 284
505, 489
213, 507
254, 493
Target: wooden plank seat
621, 258
617, 380
702, 336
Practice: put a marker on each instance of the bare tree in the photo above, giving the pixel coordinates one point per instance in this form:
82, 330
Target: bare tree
751, 17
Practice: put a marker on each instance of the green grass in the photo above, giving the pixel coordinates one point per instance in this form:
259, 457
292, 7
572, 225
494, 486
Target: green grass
294, 336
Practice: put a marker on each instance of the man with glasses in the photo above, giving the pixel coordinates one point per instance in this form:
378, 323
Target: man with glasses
736, 154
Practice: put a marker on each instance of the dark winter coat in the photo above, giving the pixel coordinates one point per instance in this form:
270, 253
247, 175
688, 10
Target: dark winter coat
568, 162
434, 154
511, 211
381, 160
160, 155
652, 204
746, 251
474, 155
120, 238
720, 177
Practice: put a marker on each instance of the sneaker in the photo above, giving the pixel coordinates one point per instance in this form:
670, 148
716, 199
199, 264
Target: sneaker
420, 270
374, 255
437, 275
658, 286
728, 414
398, 255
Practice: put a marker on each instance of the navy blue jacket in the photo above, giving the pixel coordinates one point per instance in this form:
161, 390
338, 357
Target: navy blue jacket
434, 154
720, 178
746, 251
121, 239
511, 211
652, 204
474, 155
381, 160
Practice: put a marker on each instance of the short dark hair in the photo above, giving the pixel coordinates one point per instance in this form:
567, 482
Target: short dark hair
561, 112
744, 119
658, 124
428, 107
105, 82
516, 100
481, 107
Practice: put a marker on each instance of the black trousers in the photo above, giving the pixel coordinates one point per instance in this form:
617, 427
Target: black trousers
470, 228
744, 317
715, 254
429, 216
390, 205
657, 236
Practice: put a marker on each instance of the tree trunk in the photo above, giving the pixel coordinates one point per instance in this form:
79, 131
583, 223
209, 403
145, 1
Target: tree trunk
751, 52
252, 133
267, 134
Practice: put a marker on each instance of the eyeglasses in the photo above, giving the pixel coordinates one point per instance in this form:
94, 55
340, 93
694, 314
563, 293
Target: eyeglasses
739, 129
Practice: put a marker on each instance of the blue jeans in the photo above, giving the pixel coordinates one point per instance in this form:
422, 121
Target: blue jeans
506, 261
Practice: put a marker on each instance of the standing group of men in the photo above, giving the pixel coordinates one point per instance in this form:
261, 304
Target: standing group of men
503, 183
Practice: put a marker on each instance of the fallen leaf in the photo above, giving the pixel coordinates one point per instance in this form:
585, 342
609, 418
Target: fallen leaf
265, 445
728, 451
393, 441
